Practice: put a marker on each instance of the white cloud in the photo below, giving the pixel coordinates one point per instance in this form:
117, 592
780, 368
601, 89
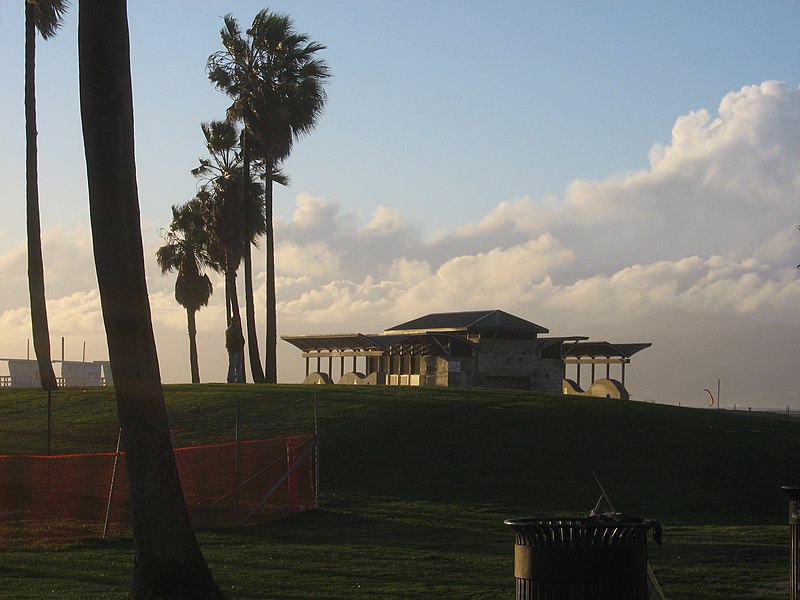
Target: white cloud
314, 213
385, 220
409, 272
500, 277
715, 285
314, 259
723, 185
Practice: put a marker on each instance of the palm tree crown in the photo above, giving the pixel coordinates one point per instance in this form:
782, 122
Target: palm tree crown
273, 78
185, 251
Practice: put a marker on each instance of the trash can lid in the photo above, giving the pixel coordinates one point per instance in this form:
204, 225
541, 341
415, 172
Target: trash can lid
605, 528
792, 490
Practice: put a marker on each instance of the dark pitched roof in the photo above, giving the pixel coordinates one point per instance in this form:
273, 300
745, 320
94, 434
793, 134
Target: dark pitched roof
595, 349
335, 341
476, 320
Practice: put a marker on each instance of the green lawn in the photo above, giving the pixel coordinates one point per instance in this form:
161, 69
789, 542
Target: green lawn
415, 484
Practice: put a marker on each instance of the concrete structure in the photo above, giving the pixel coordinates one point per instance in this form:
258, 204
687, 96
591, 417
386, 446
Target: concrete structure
489, 348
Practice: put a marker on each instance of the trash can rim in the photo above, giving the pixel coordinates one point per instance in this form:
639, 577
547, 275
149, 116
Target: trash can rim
577, 521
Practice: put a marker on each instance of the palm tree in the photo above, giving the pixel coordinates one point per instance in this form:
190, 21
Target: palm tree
238, 218
168, 562
275, 82
185, 252
218, 192
46, 16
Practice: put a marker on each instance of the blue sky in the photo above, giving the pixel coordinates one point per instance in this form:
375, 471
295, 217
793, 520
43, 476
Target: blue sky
578, 145
442, 109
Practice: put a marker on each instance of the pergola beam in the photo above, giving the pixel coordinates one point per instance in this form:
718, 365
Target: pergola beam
341, 353
596, 361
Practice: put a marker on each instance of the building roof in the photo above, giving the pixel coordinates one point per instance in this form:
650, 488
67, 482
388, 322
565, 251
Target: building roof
595, 349
476, 320
341, 341
359, 342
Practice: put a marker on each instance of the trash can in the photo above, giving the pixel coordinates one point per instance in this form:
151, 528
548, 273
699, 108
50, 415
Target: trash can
601, 557
794, 532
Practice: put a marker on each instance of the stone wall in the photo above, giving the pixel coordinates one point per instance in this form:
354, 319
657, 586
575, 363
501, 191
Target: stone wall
455, 371
506, 358
548, 374
520, 359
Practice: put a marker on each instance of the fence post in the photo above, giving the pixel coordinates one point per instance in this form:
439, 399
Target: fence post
49, 416
291, 482
111, 488
316, 454
236, 465
794, 531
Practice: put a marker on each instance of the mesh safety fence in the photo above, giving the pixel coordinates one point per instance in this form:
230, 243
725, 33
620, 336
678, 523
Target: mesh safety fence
59, 499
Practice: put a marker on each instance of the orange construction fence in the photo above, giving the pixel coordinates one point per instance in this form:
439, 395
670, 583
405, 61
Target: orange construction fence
59, 499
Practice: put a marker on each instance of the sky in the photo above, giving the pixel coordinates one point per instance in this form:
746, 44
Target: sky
589, 166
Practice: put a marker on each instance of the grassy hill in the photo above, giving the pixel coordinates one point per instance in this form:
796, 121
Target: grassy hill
415, 484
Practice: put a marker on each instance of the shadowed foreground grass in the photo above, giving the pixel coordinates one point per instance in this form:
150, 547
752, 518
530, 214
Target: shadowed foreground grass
415, 485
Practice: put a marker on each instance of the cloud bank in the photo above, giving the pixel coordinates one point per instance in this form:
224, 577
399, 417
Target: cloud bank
707, 227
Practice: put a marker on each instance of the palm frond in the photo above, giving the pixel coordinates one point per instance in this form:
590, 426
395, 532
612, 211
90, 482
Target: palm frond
48, 16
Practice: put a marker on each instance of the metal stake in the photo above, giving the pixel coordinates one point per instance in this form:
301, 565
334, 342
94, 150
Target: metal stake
316, 453
236, 464
49, 416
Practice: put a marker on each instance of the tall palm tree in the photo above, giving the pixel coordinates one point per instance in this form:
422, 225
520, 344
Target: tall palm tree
46, 16
185, 252
168, 562
275, 82
237, 219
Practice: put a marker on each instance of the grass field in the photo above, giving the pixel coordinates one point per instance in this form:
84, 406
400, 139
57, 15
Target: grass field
415, 484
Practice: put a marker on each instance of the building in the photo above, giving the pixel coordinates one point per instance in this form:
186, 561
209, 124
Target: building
488, 348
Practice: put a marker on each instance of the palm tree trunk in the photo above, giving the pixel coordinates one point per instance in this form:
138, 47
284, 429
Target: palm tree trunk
39, 325
168, 562
228, 300
250, 312
233, 299
271, 340
192, 325
230, 292
249, 302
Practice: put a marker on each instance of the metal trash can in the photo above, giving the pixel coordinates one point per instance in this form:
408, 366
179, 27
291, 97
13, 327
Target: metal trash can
601, 557
794, 532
